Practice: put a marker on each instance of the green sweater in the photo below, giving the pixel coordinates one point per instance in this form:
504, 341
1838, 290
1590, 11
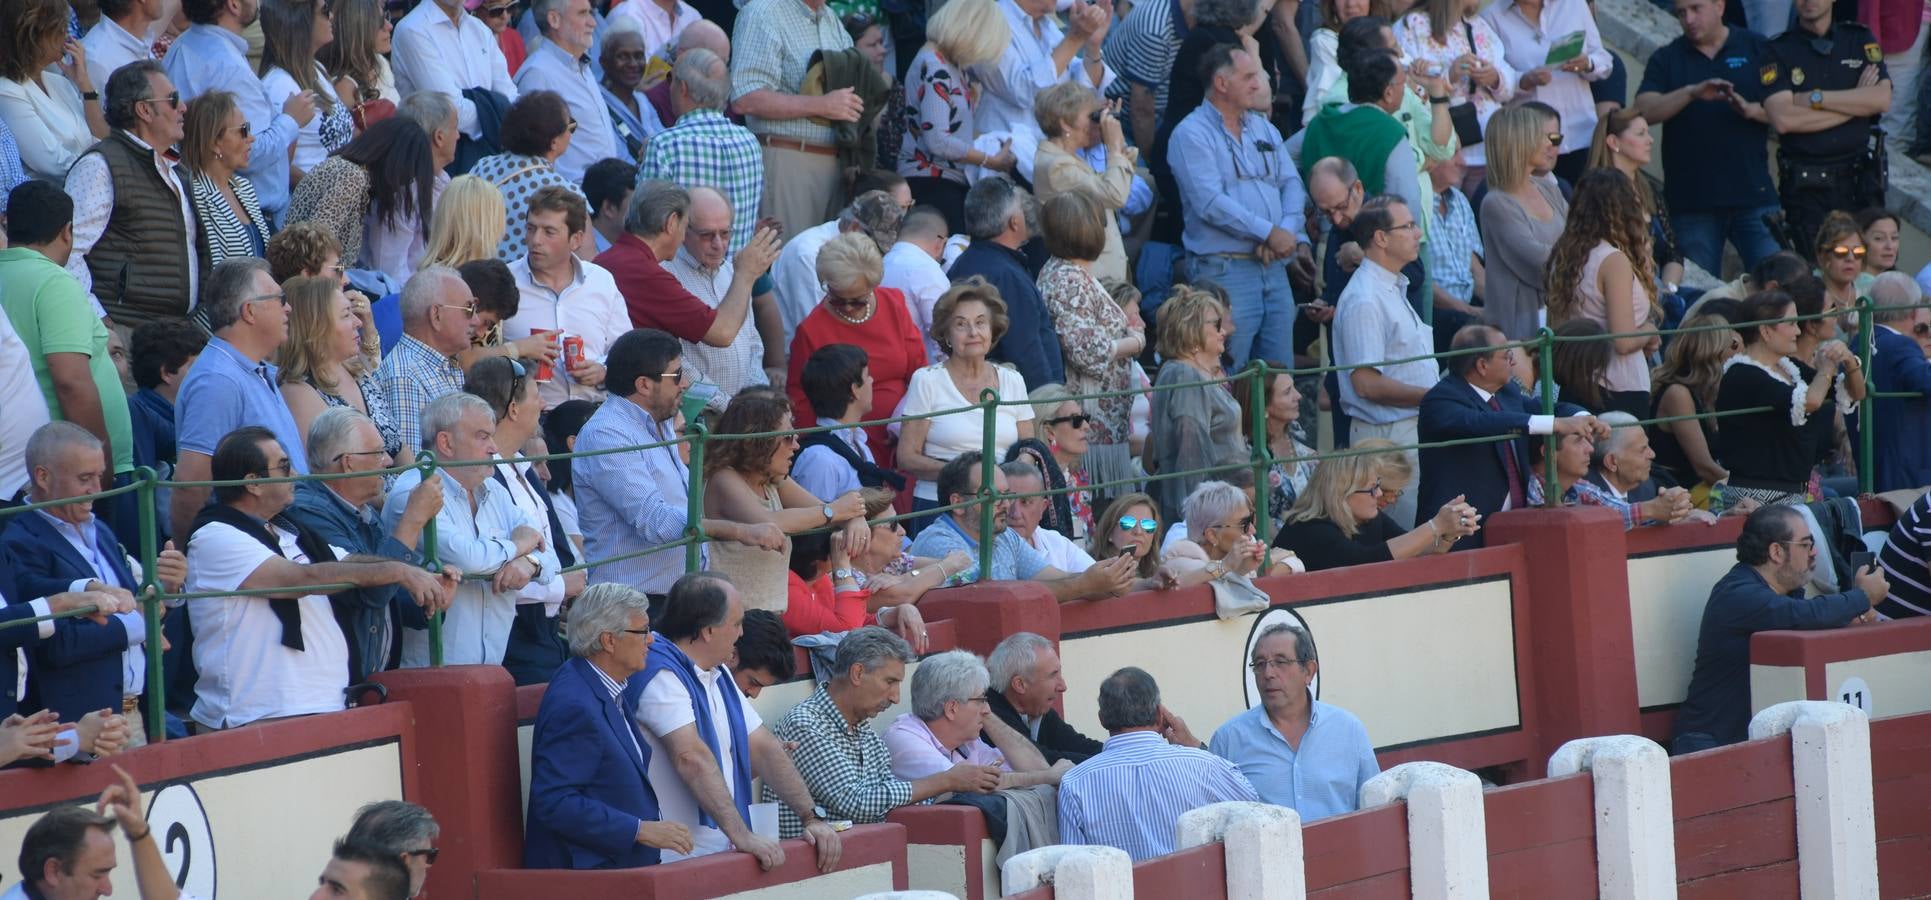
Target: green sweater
1364, 136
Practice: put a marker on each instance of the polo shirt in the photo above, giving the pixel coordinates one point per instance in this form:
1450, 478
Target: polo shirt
653, 295
664, 707
224, 391
1794, 64
917, 753
50, 312
1712, 157
1322, 778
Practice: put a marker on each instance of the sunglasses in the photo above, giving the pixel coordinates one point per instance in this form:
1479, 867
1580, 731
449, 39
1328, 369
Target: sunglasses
858, 22
1555, 138
244, 129
491, 12
572, 127
1842, 252
173, 100
1921, 329
1244, 524
1129, 523
1077, 420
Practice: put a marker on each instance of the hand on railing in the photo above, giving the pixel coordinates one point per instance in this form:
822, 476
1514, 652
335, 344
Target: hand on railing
102, 732
433, 591
1670, 506
104, 603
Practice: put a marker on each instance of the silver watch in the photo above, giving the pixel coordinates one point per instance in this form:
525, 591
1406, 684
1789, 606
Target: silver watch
827, 510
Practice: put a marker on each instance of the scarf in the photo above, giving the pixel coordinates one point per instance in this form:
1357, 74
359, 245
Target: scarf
665, 656
287, 611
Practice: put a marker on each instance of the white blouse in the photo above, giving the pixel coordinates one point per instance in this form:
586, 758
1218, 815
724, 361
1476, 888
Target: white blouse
50, 125
1526, 47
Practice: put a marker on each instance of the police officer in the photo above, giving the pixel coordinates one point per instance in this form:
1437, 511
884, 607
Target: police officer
1828, 86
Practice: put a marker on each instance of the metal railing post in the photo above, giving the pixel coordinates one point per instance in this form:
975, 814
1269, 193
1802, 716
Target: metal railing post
431, 562
1545, 376
988, 464
1263, 455
1866, 411
151, 611
694, 500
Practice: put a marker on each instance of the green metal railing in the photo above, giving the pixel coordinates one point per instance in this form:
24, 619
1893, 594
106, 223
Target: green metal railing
146, 482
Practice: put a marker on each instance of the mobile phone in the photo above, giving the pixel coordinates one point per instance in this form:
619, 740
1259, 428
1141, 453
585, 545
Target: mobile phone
1861, 561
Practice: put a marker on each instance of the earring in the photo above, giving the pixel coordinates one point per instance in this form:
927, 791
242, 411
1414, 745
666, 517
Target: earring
220, 155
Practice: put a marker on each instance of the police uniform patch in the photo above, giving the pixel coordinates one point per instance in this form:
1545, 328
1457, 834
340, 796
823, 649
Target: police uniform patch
1796, 76
1768, 74
1872, 53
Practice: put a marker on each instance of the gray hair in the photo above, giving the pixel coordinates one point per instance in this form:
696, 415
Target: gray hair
1019, 468
652, 204
393, 826
601, 609
704, 76
1303, 642
423, 291
540, 13
952, 675
989, 204
1622, 426
49, 441
1210, 503
1129, 698
227, 287
1893, 295
126, 87
330, 434
870, 647
442, 414
430, 109
1015, 657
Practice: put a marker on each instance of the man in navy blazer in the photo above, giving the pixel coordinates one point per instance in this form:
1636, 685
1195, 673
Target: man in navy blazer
1477, 399
1901, 448
591, 804
85, 667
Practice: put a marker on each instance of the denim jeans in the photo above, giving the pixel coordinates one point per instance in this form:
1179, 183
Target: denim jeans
1700, 236
1263, 306
1153, 274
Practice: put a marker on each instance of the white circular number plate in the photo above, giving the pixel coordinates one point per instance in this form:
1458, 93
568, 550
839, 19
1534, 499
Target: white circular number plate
187, 844
1856, 693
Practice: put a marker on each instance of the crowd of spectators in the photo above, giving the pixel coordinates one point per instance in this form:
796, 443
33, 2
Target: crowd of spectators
254, 239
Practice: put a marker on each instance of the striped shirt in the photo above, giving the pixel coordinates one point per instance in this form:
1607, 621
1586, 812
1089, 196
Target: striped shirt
771, 50
1133, 793
413, 374
1144, 46
1452, 243
1906, 559
705, 148
223, 233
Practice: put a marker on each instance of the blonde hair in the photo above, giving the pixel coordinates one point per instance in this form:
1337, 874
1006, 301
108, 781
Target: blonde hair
1391, 464
460, 230
1059, 106
969, 32
851, 258
1326, 494
304, 357
1182, 316
1046, 400
1514, 138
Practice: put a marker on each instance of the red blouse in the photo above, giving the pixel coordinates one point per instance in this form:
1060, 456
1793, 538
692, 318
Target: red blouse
893, 345
815, 607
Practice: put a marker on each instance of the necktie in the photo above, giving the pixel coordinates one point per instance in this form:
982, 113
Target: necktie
1518, 495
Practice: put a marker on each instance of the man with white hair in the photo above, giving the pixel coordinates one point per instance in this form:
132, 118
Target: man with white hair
591, 806
1025, 514
1025, 684
561, 63
1619, 467
1901, 455
438, 318
701, 146
951, 710
480, 529
342, 511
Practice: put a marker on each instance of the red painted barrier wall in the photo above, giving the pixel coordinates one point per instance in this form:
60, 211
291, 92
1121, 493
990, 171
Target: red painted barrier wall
1901, 782
696, 879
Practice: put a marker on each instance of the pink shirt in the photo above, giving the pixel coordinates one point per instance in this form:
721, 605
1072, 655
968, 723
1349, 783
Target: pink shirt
917, 753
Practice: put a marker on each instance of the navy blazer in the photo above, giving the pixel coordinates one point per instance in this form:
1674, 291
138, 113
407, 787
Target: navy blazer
1900, 450
589, 778
78, 671
1452, 410
13, 607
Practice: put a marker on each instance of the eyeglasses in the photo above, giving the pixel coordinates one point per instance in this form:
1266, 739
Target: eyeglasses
720, 234
1245, 524
1921, 329
572, 127
677, 376
1809, 544
1129, 523
1842, 252
428, 854
278, 296
469, 310
491, 12
1405, 226
1373, 489
857, 22
245, 129
281, 469
979, 699
1077, 420
858, 302
1555, 138
1260, 666
173, 100
348, 453
1339, 208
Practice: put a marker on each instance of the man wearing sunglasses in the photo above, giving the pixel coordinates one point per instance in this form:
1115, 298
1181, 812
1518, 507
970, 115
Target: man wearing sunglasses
1901, 446
134, 240
1828, 87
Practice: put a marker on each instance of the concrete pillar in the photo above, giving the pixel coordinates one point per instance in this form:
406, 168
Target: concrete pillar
1830, 756
1447, 840
1635, 832
908, 895
1076, 872
1262, 845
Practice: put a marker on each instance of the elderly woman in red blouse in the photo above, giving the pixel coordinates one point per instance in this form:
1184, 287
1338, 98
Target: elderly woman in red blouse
825, 596
857, 311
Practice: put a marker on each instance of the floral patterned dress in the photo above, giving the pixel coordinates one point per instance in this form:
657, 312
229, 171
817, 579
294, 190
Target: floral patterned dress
938, 119
1088, 322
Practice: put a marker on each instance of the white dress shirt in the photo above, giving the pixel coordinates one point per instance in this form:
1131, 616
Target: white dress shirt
732, 368
523, 494
795, 274
589, 307
434, 53
1026, 68
1060, 551
1526, 47
549, 68
92, 187
109, 47
50, 125
910, 269
659, 27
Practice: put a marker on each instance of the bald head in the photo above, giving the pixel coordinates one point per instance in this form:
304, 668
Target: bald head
709, 236
1332, 183
705, 34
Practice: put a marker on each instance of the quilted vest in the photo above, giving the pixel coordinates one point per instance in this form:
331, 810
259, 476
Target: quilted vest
140, 264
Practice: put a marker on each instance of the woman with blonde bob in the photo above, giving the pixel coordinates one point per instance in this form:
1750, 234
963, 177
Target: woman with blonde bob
938, 105
1521, 218
322, 363
1074, 120
1196, 424
215, 142
1338, 521
467, 224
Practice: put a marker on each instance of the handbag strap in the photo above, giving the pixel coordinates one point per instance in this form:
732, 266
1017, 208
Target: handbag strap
1468, 31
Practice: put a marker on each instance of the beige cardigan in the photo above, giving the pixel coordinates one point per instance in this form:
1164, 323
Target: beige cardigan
1056, 171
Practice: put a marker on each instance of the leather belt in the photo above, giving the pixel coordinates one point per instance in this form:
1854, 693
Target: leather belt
784, 143
130, 704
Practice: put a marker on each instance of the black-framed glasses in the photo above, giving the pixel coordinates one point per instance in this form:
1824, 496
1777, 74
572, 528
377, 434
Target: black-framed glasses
428, 854
1373, 490
491, 12
1921, 329
1129, 523
677, 376
634, 630
1077, 420
572, 127
1809, 544
1260, 666
1246, 523
1405, 226
278, 296
281, 469
1335, 211
857, 22
173, 100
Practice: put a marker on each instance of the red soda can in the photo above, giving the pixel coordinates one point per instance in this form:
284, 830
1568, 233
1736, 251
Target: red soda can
543, 368
572, 351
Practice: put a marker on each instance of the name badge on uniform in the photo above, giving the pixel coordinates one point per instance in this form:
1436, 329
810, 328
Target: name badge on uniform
1768, 75
1872, 53
1796, 76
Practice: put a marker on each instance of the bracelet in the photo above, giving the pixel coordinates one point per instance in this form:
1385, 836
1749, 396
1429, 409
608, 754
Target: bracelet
137, 838
94, 96
1434, 99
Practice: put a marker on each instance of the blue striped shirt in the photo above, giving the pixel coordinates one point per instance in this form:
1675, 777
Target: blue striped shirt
1323, 778
1132, 794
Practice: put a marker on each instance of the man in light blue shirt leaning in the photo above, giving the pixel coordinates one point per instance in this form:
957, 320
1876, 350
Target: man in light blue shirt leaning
1296, 751
562, 64
1244, 205
213, 56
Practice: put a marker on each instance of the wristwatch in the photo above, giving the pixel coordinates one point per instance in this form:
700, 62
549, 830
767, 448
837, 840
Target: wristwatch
826, 509
1816, 98
843, 574
536, 564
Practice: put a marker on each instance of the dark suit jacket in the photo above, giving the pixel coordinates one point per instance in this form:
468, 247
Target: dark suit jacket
1451, 410
79, 669
1900, 450
589, 778
13, 607
1057, 740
